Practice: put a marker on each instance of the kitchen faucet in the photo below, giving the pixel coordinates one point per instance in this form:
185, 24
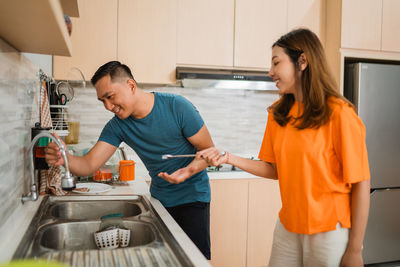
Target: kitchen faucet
67, 182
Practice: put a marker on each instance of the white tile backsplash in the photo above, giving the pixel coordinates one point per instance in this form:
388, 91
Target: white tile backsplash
19, 109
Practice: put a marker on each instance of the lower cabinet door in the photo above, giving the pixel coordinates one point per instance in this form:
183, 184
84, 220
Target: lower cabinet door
228, 212
264, 206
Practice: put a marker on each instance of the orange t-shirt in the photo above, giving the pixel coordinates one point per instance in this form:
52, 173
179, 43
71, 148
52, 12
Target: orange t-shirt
316, 168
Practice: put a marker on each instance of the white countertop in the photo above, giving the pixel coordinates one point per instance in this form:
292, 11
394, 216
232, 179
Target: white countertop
217, 175
15, 227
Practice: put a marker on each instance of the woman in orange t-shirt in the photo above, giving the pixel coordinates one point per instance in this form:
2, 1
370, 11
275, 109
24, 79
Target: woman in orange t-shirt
314, 144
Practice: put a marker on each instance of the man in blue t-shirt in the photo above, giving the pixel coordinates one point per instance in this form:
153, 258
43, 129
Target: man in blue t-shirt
153, 124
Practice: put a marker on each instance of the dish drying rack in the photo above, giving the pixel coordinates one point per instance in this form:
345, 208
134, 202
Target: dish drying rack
59, 118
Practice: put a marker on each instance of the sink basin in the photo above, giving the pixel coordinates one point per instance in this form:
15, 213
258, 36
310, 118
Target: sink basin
63, 230
79, 235
93, 210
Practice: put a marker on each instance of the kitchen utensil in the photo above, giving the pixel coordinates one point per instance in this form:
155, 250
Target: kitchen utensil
64, 92
73, 135
103, 175
52, 93
126, 170
167, 156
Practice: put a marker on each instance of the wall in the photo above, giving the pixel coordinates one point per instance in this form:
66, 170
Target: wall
45, 62
236, 119
19, 109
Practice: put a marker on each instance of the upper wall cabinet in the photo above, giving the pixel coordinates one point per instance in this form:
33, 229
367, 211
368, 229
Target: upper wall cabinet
94, 38
309, 14
35, 26
391, 26
154, 36
371, 24
205, 32
361, 24
259, 23
147, 39
239, 33
70, 7
361, 29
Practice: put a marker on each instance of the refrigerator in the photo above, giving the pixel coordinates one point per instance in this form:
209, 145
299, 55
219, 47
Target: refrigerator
374, 89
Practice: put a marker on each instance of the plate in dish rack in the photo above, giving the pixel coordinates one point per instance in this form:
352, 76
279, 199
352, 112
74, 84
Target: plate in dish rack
91, 188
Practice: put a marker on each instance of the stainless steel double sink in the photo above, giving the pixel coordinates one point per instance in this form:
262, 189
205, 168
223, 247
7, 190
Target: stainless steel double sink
63, 230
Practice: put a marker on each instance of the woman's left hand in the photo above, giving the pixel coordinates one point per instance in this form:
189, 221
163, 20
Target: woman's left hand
352, 259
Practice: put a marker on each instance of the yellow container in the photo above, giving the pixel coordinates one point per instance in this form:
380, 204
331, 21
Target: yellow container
73, 136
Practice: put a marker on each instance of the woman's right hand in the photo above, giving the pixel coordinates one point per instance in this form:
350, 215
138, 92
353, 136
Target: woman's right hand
213, 156
52, 153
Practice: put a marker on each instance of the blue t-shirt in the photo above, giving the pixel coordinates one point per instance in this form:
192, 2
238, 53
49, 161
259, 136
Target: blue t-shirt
164, 131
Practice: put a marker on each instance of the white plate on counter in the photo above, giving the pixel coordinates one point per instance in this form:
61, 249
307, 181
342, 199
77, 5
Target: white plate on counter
91, 188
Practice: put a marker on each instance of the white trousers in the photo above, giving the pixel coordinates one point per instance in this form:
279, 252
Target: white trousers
317, 250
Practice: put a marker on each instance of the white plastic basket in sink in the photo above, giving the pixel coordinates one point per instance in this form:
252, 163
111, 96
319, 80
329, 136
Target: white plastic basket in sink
113, 238
124, 237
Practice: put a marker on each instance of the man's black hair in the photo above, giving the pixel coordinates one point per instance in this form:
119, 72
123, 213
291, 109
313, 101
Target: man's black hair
113, 68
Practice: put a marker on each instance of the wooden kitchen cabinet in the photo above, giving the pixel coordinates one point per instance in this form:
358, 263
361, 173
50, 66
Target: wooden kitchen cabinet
94, 39
147, 39
391, 25
259, 23
361, 24
205, 32
36, 26
254, 34
264, 206
371, 24
309, 14
70, 7
364, 29
154, 36
243, 216
228, 222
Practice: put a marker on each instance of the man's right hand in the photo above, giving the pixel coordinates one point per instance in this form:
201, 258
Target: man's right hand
52, 152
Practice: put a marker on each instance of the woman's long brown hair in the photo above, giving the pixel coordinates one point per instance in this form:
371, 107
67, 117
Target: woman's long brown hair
317, 81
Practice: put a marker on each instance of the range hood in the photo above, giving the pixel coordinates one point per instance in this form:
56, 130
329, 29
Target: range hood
225, 79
